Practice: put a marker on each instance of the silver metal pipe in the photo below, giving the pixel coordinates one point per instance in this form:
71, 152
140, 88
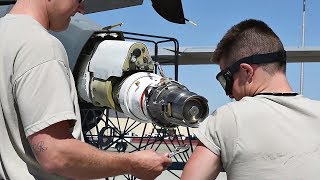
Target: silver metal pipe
303, 37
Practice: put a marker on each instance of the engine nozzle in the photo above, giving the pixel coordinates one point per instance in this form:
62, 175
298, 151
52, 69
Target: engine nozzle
148, 97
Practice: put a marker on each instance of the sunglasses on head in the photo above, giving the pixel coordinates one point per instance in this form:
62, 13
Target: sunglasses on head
80, 1
225, 77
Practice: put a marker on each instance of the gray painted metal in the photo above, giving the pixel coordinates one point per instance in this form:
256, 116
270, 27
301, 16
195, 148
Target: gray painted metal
4, 10
92, 6
202, 55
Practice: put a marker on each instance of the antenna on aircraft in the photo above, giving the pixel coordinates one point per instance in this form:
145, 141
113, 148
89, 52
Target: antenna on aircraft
191, 22
112, 26
171, 10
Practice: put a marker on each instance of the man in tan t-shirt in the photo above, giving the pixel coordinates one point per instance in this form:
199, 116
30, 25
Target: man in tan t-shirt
269, 132
40, 126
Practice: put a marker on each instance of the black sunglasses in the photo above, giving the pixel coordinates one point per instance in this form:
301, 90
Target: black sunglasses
80, 1
225, 77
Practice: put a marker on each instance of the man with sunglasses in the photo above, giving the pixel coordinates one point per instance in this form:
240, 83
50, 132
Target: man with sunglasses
269, 132
40, 126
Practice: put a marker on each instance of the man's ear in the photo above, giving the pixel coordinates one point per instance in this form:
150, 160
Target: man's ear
247, 70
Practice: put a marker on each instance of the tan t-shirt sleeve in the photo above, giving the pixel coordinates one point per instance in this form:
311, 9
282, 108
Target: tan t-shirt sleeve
43, 96
218, 132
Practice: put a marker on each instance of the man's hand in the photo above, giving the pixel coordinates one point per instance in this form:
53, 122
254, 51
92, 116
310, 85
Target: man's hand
148, 164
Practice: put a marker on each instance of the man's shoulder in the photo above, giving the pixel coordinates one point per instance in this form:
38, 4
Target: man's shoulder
45, 46
44, 41
252, 105
245, 106
244, 103
42, 48
24, 29
31, 45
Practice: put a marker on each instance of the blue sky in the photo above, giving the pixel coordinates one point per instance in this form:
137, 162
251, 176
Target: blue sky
214, 18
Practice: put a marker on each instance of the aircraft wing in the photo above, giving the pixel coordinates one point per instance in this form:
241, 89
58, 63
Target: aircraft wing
202, 55
92, 6
6, 2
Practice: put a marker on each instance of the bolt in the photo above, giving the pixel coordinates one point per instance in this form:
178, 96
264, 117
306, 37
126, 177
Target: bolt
194, 110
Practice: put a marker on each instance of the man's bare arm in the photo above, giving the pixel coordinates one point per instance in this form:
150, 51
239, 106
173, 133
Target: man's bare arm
202, 165
58, 152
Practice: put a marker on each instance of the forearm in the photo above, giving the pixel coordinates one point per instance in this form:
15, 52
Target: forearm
73, 158
57, 152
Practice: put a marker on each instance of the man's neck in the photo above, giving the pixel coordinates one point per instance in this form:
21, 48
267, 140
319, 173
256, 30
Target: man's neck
35, 9
278, 83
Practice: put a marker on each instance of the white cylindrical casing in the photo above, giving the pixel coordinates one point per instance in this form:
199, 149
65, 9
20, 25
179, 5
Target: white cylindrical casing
83, 81
132, 98
110, 57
